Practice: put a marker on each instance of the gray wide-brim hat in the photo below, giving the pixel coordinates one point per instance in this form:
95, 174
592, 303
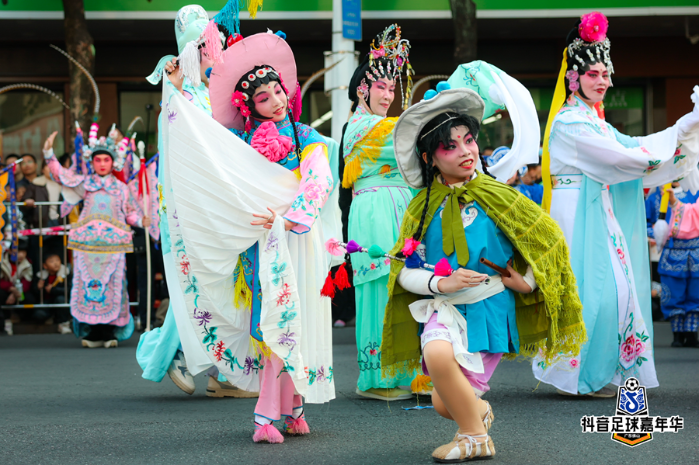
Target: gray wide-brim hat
411, 122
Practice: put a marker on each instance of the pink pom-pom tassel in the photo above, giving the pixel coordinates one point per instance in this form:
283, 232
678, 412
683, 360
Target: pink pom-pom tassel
442, 268
333, 247
268, 433
410, 246
298, 426
212, 38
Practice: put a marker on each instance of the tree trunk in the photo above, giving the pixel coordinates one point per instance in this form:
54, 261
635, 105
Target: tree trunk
463, 13
79, 45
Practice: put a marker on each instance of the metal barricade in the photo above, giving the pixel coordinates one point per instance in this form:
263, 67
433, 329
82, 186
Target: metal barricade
41, 231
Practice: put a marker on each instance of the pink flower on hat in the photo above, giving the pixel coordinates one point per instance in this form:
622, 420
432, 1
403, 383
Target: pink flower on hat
245, 111
593, 27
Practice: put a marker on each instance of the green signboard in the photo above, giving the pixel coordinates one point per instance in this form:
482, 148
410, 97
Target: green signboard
326, 5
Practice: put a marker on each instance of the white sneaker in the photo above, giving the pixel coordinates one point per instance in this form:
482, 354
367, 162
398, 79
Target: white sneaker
8, 328
215, 388
111, 343
65, 328
92, 344
180, 375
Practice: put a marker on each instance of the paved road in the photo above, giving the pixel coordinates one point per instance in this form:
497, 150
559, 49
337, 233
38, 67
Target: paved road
60, 403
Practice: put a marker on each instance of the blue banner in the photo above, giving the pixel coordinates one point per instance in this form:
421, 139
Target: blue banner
352, 19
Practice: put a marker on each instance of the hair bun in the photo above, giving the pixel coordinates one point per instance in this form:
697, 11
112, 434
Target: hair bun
573, 34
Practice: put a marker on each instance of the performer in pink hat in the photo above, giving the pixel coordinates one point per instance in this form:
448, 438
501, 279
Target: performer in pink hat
255, 94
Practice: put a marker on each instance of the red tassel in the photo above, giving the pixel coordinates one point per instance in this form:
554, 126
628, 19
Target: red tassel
328, 288
341, 278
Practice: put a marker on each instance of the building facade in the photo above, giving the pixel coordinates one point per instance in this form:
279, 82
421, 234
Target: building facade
654, 49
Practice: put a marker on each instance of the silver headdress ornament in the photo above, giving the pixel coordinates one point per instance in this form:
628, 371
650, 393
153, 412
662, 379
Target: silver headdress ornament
395, 51
593, 36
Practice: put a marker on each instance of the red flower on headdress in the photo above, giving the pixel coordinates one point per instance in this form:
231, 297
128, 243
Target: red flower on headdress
233, 38
593, 27
245, 111
238, 99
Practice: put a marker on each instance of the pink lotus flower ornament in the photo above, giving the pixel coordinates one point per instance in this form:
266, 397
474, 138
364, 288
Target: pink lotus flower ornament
593, 27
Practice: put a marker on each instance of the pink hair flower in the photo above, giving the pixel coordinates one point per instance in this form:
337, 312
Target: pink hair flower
410, 246
378, 53
572, 75
238, 99
593, 27
245, 111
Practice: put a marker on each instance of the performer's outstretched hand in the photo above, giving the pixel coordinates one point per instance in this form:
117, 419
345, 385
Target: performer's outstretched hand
146, 221
48, 145
516, 282
269, 220
460, 279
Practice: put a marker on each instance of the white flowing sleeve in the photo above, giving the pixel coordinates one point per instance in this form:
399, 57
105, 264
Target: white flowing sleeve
419, 281
658, 159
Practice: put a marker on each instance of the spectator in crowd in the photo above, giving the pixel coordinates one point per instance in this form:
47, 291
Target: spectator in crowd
28, 168
528, 176
15, 283
41, 189
11, 158
488, 151
65, 160
54, 282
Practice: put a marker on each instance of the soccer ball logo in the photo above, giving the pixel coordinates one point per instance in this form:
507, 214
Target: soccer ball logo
631, 384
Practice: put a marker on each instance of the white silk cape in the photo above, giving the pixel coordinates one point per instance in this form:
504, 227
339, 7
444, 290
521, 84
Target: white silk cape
217, 182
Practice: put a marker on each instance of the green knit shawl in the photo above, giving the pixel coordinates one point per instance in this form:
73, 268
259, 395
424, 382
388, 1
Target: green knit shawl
549, 320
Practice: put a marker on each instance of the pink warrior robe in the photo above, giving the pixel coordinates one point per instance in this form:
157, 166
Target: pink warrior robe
100, 239
684, 222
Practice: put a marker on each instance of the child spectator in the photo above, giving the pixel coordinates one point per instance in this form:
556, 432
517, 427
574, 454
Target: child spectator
529, 176
53, 281
15, 283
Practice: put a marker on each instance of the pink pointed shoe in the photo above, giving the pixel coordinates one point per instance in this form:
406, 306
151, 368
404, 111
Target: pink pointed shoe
267, 433
296, 426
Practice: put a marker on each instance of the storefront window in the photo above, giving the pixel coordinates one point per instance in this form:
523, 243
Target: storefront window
27, 119
133, 105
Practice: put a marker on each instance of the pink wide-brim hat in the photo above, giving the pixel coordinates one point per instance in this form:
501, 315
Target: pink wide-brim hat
238, 59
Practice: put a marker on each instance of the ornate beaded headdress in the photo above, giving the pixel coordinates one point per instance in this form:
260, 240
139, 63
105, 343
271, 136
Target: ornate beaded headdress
389, 49
94, 144
592, 45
